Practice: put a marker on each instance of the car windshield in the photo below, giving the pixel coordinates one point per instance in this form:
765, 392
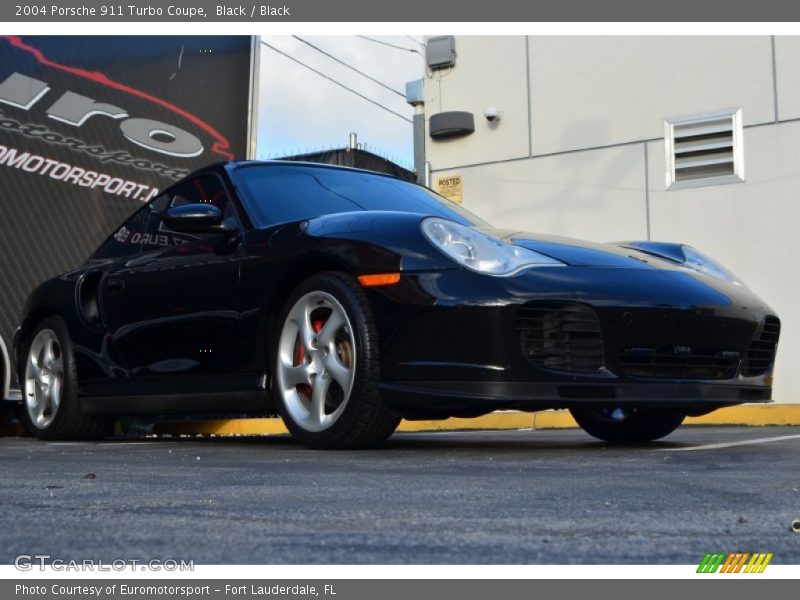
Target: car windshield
283, 193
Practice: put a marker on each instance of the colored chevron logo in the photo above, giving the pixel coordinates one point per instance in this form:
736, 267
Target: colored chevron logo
734, 562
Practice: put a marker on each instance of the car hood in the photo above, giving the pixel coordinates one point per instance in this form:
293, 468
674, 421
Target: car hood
580, 253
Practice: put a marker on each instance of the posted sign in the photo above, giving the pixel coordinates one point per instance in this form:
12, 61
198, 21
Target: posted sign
451, 187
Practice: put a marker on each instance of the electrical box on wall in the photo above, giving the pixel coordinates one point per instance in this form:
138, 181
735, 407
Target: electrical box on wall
415, 92
441, 52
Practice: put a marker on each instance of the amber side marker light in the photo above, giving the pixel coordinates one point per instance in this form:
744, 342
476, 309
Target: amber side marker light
378, 279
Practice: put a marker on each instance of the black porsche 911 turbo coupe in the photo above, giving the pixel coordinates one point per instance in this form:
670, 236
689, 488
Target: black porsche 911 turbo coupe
346, 300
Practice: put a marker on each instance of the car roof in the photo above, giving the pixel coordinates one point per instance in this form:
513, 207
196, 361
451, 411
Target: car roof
238, 164
228, 166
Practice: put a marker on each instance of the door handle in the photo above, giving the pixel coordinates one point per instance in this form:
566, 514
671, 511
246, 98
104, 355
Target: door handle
115, 286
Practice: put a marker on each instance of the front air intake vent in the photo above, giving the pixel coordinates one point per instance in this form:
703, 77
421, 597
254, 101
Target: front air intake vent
679, 362
561, 336
704, 149
761, 353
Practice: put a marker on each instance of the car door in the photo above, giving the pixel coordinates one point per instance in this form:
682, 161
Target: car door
173, 311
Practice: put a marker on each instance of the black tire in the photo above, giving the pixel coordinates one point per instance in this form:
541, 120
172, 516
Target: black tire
69, 423
365, 421
631, 426
6, 408
6, 413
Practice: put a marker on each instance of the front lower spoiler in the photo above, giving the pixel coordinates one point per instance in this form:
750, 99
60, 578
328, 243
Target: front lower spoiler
465, 398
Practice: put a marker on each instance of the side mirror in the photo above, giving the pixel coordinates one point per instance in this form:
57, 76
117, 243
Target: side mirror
194, 218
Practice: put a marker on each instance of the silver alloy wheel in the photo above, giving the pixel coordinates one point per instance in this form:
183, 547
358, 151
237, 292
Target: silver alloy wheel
44, 378
316, 361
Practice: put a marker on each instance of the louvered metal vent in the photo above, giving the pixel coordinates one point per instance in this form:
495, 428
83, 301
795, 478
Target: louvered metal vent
562, 336
679, 362
761, 353
704, 149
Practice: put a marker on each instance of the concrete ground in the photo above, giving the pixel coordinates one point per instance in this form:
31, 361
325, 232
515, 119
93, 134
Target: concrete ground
553, 496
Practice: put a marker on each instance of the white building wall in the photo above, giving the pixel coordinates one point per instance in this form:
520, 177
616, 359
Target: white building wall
599, 91
501, 83
595, 194
595, 165
787, 59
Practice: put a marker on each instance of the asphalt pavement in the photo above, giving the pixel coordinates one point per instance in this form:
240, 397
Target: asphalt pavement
494, 497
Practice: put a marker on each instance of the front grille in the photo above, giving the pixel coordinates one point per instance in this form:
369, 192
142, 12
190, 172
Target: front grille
561, 336
679, 362
761, 352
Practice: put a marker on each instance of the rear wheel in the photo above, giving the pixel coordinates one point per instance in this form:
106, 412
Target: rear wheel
627, 425
50, 408
326, 368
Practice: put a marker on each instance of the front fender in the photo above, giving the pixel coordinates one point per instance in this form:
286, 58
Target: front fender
396, 233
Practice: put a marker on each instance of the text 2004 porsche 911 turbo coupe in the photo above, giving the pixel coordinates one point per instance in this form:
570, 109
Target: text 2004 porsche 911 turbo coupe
345, 300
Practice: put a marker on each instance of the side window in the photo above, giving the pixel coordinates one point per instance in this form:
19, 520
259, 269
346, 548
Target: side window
157, 235
128, 239
145, 230
206, 189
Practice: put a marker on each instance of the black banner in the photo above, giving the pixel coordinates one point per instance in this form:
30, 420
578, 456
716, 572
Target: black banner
265, 11
91, 127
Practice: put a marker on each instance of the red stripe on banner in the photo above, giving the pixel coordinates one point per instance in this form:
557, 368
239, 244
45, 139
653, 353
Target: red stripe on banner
221, 146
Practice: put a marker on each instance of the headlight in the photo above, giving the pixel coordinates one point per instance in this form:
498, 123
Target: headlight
480, 252
698, 261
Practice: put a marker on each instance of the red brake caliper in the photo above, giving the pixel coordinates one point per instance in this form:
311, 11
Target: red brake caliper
300, 355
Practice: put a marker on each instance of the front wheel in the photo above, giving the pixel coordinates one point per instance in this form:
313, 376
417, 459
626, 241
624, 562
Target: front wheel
627, 425
326, 368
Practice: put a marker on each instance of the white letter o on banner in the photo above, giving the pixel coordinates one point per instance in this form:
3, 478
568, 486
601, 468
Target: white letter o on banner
145, 133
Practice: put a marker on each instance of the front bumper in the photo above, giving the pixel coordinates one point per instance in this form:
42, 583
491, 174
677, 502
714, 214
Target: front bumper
451, 342
437, 399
